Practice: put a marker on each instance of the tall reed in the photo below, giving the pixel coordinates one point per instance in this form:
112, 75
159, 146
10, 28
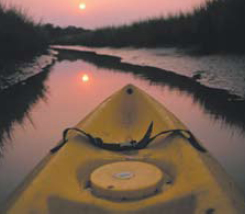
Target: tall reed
20, 36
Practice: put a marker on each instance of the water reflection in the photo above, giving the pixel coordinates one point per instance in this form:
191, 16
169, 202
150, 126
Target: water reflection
85, 78
217, 102
18, 100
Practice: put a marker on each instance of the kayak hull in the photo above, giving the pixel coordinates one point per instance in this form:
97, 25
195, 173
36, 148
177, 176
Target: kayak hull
193, 181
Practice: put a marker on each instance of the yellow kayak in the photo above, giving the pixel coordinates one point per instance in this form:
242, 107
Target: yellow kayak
130, 155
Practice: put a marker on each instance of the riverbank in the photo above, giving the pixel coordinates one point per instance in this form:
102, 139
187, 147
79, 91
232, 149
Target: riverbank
19, 71
215, 71
24, 45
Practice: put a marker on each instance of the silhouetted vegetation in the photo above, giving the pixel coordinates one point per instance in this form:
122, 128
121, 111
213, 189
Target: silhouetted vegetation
53, 33
19, 35
217, 25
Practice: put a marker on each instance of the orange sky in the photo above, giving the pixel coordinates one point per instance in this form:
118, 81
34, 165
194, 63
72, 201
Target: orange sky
100, 12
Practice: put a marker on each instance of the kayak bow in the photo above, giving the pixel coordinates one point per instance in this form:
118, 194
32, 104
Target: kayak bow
130, 155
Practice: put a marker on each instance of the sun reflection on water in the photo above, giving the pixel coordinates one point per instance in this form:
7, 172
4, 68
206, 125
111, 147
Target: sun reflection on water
85, 78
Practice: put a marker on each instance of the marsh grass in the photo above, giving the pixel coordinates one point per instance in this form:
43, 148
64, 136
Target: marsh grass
217, 25
20, 36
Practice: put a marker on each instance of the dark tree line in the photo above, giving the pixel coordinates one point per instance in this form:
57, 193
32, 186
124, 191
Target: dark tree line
53, 33
217, 25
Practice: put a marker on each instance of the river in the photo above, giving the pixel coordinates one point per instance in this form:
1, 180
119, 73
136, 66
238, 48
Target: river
33, 115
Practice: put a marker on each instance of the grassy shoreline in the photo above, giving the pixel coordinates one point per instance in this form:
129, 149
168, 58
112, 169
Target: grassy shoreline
215, 26
20, 36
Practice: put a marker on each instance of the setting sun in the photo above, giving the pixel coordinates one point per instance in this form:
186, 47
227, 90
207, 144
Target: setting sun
85, 78
82, 6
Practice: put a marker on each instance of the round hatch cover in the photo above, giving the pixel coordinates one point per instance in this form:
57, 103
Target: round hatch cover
126, 180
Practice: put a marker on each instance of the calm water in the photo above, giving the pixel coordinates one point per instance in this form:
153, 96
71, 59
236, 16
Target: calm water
34, 115
218, 71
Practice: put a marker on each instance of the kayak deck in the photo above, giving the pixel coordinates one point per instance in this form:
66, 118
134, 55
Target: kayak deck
193, 181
